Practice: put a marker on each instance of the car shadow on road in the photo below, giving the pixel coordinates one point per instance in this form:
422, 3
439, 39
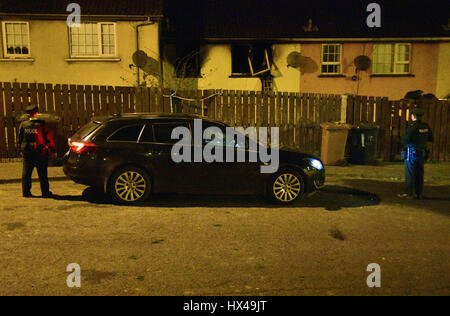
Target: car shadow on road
436, 197
91, 195
331, 198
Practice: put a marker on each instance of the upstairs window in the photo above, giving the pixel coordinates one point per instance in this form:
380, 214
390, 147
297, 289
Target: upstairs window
331, 59
16, 39
250, 60
239, 59
392, 58
93, 40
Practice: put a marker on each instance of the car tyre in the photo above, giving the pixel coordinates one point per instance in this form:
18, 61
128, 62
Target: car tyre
129, 186
286, 186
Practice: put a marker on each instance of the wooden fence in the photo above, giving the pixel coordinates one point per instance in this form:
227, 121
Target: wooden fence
393, 117
297, 115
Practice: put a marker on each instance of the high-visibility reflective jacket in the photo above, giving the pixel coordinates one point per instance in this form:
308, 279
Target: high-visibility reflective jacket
35, 137
417, 135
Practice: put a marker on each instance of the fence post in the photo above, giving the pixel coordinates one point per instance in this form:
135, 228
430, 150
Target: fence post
386, 128
343, 113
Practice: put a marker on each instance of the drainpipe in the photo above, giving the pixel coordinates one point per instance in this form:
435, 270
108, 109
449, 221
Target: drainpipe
149, 22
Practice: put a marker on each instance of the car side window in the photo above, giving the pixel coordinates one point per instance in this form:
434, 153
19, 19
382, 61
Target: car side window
147, 134
216, 135
126, 134
163, 132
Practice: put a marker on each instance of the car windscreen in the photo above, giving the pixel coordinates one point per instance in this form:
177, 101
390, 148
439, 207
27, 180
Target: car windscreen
86, 130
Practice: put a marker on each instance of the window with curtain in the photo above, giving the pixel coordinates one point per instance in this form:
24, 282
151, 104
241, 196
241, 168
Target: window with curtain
16, 39
391, 58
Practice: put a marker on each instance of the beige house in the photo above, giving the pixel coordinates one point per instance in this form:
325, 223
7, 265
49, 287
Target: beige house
38, 45
227, 66
397, 65
218, 44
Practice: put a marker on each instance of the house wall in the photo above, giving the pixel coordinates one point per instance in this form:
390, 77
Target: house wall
443, 75
424, 68
50, 49
216, 70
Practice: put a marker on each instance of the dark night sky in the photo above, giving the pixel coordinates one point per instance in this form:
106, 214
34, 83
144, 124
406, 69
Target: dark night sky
266, 18
285, 18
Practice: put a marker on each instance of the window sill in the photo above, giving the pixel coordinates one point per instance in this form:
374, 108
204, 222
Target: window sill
75, 60
332, 76
392, 75
27, 60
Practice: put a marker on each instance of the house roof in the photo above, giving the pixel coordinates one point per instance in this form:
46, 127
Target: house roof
88, 7
289, 19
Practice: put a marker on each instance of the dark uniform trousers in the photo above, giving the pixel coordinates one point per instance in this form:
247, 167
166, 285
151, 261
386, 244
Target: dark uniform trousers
30, 161
414, 171
415, 141
35, 143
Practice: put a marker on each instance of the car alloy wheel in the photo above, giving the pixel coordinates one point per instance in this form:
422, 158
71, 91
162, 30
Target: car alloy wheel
287, 187
130, 185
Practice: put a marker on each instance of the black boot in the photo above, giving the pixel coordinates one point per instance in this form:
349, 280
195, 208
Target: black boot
47, 195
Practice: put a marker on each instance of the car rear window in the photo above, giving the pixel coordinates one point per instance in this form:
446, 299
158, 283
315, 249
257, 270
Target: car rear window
147, 135
86, 130
163, 132
127, 134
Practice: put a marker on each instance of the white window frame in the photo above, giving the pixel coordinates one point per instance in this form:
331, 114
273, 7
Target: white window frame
250, 63
99, 42
396, 60
402, 62
5, 48
339, 63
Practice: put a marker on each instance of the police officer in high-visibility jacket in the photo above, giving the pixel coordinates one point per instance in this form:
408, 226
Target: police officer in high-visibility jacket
415, 153
36, 144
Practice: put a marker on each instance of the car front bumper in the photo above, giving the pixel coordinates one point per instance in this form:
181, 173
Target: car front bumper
316, 179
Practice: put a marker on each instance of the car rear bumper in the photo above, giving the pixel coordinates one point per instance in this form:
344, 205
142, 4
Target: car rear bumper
78, 176
82, 171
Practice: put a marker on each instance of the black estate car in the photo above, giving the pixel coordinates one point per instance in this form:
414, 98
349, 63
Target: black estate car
129, 157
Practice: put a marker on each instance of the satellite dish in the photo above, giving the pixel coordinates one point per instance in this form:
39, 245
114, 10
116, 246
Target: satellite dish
140, 58
294, 59
362, 62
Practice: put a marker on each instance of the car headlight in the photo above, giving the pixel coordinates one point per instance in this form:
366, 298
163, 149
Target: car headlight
316, 163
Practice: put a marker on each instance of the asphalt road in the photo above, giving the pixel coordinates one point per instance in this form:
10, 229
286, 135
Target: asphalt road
192, 245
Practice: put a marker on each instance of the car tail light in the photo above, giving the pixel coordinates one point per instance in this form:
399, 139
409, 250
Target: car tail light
83, 147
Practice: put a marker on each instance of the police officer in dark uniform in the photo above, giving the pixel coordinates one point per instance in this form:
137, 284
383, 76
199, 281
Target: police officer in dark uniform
36, 144
415, 153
